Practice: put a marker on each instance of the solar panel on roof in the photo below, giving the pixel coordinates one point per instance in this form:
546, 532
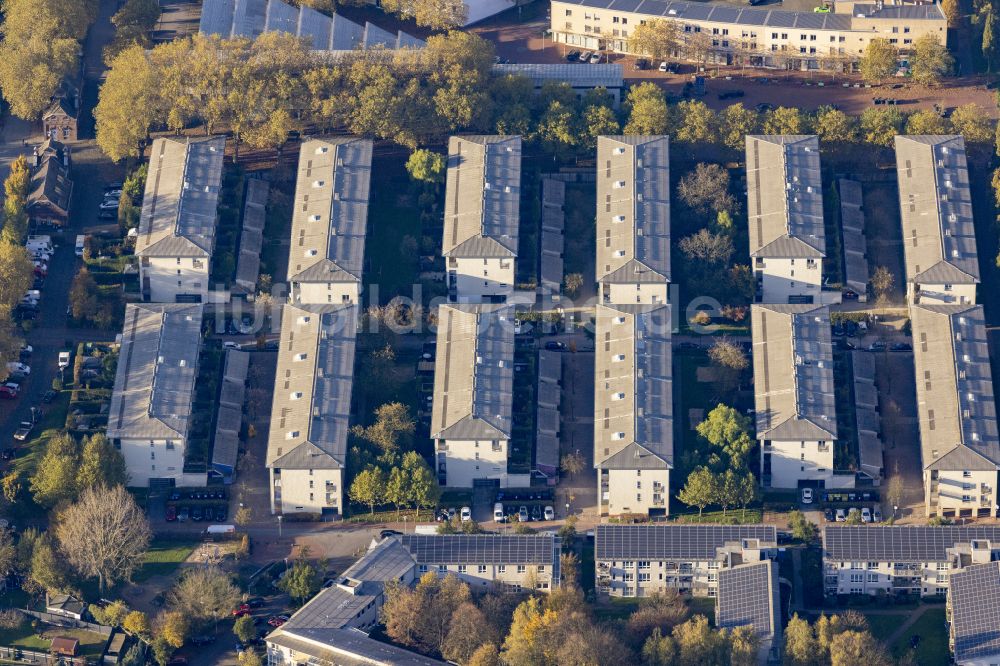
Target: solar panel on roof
745, 597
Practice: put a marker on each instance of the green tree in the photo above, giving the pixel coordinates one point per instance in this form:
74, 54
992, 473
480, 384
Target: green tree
368, 488
835, 126
244, 629
879, 125
926, 121
929, 60
879, 61
423, 490
162, 651
393, 428
100, 464
727, 490
48, 568
83, 301
656, 39
802, 528
748, 491
973, 123
697, 643
136, 623
558, 130
55, 478
729, 430
744, 646
700, 489
133, 23
801, 647
203, 594
991, 28
599, 121
850, 648
647, 110
397, 489
173, 627
426, 165
786, 120
706, 189
659, 650
696, 123
128, 104
952, 12
736, 122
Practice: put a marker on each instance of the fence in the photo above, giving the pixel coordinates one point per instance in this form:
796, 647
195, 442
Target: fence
32, 657
73, 623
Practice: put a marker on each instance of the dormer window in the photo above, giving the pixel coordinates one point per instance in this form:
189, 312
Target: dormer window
295, 395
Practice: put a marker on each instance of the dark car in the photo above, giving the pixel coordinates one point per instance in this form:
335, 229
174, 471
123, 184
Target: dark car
255, 602
553, 345
731, 94
209, 513
764, 107
573, 56
49, 396
388, 533
828, 514
901, 346
241, 610
174, 496
171, 515
221, 514
204, 639
183, 513
197, 514
640, 64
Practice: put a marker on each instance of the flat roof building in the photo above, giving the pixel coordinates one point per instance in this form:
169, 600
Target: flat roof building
176, 234
956, 410
481, 217
939, 235
794, 394
151, 404
329, 221
633, 218
311, 408
633, 408
785, 214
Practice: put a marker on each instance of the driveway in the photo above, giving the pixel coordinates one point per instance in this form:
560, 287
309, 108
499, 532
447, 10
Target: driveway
900, 432
577, 436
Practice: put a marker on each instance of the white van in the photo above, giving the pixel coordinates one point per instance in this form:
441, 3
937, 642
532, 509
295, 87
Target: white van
498, 515
80, 241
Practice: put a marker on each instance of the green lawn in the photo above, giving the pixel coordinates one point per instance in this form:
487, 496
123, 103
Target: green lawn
23, 637
393, 213
933, 646
163, 558
882, 626
703, 606
732, 517
91, 644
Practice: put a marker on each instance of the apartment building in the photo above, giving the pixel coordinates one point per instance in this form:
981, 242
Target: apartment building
633, 409
640, 560
331, 626
902, 560
311, 408
149, 418
785, 214
974, 615
481, 217
794, 395
956, 411
473, 384
749, 595
176, 234
329, 219
939, 236
760, 37
633, 218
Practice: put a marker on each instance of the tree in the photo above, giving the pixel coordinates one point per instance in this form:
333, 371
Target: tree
729, 430
736, 122
926, 121
850, 648
128, 104
706, 188
203, 594
647, 110
835, 126
244, 629
55, 478
802, 528
706, 247
173, 627
426, 165
801, 648
744, 646
599, 120
572, 463
104, 534
785, 120
894, 489
467, 632
136, 623
698, 644
700, 489
879, 125
48, 569
16, 273
952, 12
661, 612
728, 355
397, 489
133, 22
100, 464
748, 492
302, 581
162, 651
558, 130
929, 60
243, 516
249, 658
659, 650
882, 281
526, 642
973, 123
8, 553
12, 486
434, 14
368, 488
393, 428
727, 490
487, 655
83, 296
572, 283
879, 61
656, 39
421, 617
696, 123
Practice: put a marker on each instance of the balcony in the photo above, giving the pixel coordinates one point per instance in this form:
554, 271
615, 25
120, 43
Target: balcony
905, 581
823, 448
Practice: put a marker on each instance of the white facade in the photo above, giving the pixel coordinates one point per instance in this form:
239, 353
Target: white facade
956, 492
468, 460
166, 278
516, 577
481, 280
636, 490
941, 294
307, 490
784, 280
326, 292
793, 462
153, 459
641, 293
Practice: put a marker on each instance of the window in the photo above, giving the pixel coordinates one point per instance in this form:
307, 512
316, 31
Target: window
442, 568
502, 568
482, 568
520, 568
462, 568
569, 12
541, 568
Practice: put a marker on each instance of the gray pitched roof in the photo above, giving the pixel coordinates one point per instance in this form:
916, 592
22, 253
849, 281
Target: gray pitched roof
330, 215
955, 402
310, 417
50, 184
910, 543
633, 393
157, 369
633, 209
482, 548
252, 236
473, 373
230, 414
482, 196
785, 197
553, 243
793, 373
973, 596
182, 193
749, 594
348, 647
939, 236
662, 542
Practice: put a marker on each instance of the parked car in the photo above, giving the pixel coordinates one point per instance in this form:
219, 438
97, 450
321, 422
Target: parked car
877, 515
764, 107
255, 602
64, 359
536, 513
9, 391
182, 514
209, 513
241, 610
221, 514
866, 514
731, 94
595, 59
807, 495
451, 513
663, 66
841, 515
573, 56
522, 514
466, 514
554, 345
640, 64
828, 514
24, 431
550, 513
585, 56
17, 367
171, 514
109, 205
174, 496
278, 620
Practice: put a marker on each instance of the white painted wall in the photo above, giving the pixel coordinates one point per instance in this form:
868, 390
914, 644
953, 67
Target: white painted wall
170, 276
477, 279
952, 486
146, 459
633, 491
946, 294
789, 277
469, 460
874, 577
484, 576
625, 294
796, 461
325, 292
305, 491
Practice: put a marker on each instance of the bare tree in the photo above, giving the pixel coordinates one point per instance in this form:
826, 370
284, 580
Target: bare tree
204, 594
707, 188
572, 463
104, 534
728, 354
882, 282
